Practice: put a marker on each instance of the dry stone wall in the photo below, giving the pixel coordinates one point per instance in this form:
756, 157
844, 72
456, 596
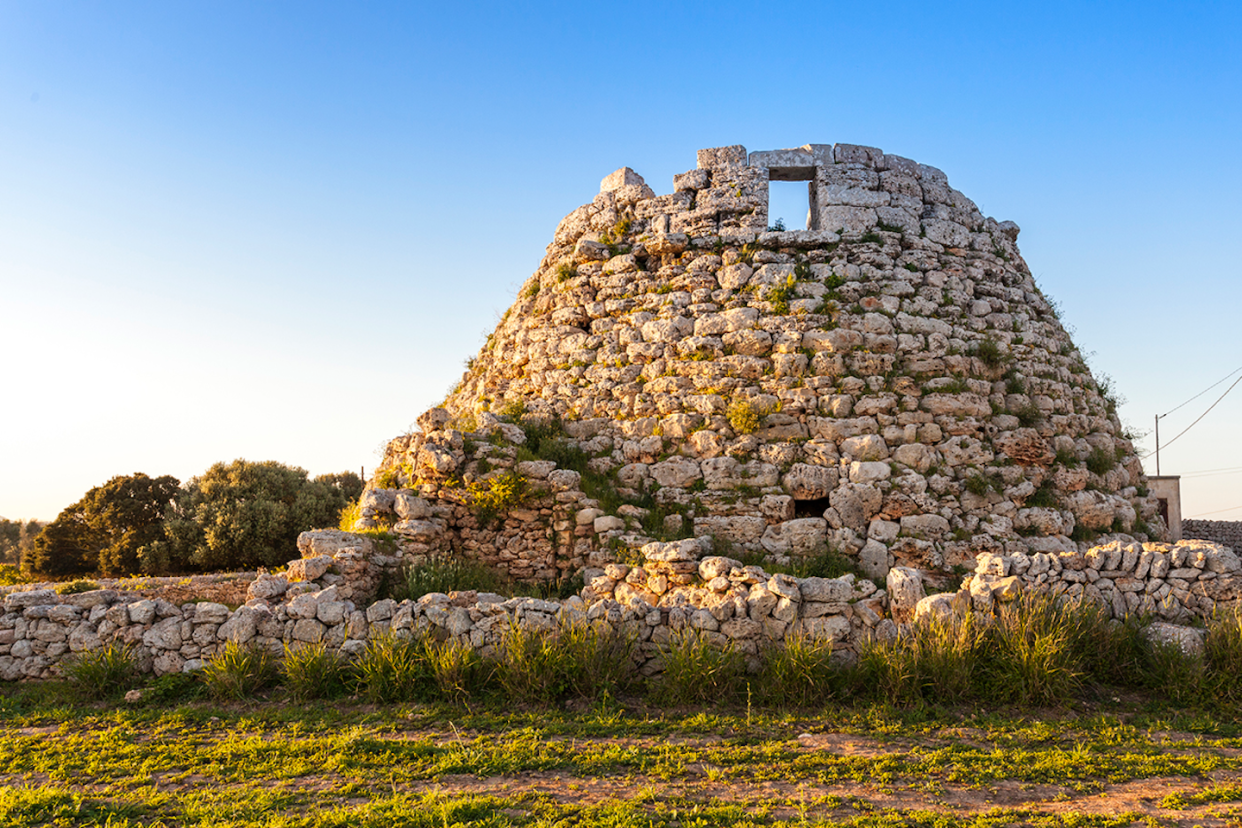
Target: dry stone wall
1225, 532
890, 382
1177, 583
675, 589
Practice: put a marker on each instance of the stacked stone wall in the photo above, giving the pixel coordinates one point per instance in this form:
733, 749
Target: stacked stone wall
1225, 532
1177, 583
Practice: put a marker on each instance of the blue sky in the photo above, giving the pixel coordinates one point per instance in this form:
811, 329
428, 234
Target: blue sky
277, 230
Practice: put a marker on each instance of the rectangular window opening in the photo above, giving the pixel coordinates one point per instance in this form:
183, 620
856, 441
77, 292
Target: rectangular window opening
789, 205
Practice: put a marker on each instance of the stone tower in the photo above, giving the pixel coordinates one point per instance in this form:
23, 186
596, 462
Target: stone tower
889, 382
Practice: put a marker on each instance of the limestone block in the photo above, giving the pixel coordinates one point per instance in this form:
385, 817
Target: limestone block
1187, 639
737, 528
266, 586
308, 630
309, 569
832, 628
846, 219
35, 597
142, 612
905, 590
206, 612
873, 472
925, 526
826, 590
677, 472
624, 177
803, 537
166, 635
693, 180
865, 448
731, 156
916, 456
410, 507
242, 626
607, 523
810, 482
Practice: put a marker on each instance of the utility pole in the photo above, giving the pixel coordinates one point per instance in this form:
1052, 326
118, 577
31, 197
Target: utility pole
1157, 445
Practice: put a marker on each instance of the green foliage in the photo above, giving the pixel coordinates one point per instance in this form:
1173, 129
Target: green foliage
312, 671
445, 573
1100, 461
777, 227
10, 574
697, 670
457, 672
103, 672
350, 514
246, 514
565, 271
598, 660
799, 672
744, 416
779, 295
990, 354
76, 586
1028, 415
937, 662
493, 496
238, 671
530, 665
104, 531
978, 484
394, 668
1222, 655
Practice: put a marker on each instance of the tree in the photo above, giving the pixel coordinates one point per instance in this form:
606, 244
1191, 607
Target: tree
246, 514
16, 538
104, 531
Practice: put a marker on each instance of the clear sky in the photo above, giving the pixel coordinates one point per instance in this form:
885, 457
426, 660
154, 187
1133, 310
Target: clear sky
277, 230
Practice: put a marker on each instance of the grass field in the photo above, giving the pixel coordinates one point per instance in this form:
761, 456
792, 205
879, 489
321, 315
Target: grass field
180, 759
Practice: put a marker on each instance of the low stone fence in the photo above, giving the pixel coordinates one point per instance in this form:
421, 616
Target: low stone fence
326, 597
1225, 532
1178, 583
672, 591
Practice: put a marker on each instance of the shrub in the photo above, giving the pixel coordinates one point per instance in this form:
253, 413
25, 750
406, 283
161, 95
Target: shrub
697, 670
76, 586
1032, 657
10, 574
1100, 461
979, 485
799, 672
312, 671
780, 294
239, 671
442, 573
103, 672
394, 668
989, 353
495, 495
744, 416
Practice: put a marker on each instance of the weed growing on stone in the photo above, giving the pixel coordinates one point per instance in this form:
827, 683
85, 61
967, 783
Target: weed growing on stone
312, 671
102, 672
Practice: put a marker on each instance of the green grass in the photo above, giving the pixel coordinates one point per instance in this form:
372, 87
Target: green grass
104, 672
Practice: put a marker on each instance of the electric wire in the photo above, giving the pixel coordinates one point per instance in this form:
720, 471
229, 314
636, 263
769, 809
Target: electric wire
1201, 416
1204, 391
1217, 512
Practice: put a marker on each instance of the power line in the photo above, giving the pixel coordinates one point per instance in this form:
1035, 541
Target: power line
1204, 391
1195, 423
1217, 512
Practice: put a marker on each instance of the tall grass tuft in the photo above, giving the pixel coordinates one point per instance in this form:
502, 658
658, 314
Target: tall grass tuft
1222, 656
801, 672
696, 669
394, 668
106, 671
239, 671
457, 671
442, 573
597, 659
938, 662
530, 665
312, 671
1033, 651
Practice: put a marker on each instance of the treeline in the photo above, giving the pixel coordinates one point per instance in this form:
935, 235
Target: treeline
238, 515
16, 536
